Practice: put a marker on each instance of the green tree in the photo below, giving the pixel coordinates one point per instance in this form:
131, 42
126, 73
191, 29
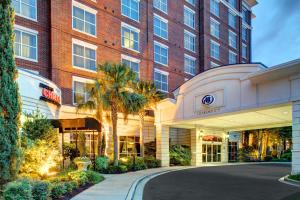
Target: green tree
152, 97
113, 93
9, 96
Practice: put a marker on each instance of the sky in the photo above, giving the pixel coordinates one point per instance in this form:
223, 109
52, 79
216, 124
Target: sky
276, 31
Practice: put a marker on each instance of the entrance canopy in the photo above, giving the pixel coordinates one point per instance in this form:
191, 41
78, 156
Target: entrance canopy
234, 97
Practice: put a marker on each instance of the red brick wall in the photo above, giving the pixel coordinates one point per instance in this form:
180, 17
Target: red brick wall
43, 27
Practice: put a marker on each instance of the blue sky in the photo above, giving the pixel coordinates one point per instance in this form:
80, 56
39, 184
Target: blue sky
276, 31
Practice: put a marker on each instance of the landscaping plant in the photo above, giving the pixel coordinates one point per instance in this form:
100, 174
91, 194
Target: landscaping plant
180, 155
9, 97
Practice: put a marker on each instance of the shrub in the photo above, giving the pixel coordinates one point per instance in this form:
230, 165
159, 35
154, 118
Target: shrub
116, 169
94, 177
40, 190
245, 153
152, 162
139, 164
180, 155
295, 177
128, 162
268, 158
68, 186
287, 156
79, 176
58, 190
18, 190
101, 164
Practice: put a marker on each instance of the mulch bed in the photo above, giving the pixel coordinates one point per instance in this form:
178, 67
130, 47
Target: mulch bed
75, 192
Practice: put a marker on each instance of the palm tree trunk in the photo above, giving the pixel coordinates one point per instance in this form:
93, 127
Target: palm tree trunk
114, 117
142, 149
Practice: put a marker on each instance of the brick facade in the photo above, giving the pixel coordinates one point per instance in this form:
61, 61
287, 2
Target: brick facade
55, 36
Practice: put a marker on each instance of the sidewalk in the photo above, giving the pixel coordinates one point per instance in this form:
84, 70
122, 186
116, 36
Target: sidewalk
117, 186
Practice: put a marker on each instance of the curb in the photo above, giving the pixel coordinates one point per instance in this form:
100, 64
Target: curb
289, 181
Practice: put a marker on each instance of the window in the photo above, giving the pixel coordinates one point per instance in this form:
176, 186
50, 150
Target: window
84, 19
214, 28
232, 39
133, 63
161, 80
231, 20
231, 57
214, 7
245, 15
244, 51
131, 9
25, 45
189, 41
244, 33
129, 146
84, 55
81, 89
160, 27
161, 53
25, 8
161, 5
130, 37
213, 65
232, 3
215, 50
189, 17
191, 2
189, 65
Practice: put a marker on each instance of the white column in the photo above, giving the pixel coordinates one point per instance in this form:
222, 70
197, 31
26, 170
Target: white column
296, 138
196, 147
224, 149
162, 145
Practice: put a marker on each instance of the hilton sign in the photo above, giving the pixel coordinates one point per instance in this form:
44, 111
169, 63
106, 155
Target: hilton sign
49, 95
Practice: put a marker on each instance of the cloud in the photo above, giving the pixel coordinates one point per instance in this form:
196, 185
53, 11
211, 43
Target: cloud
283, 13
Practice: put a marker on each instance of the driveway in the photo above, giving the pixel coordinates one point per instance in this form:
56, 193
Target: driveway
237, 182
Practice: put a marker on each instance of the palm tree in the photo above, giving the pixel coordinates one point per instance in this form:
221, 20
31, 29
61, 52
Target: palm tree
152, 96
112, 93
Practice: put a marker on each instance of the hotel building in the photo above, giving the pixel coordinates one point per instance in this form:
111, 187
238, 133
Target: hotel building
177, 44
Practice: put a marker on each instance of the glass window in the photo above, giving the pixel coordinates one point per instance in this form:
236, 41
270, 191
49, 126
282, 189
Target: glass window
215, 50
161, 53
214, 7
231, 58
84, 21
161, 5
135, 66
245, 15
215, 28
232, 39
231, 20
84, 57
232, 3
25, 45
189, 17
81, 91
191, 2
131, 9
244, 51
129, 146
161, 81
130, 38
244, 33
189, 65
160, 27
189, 41
25, 8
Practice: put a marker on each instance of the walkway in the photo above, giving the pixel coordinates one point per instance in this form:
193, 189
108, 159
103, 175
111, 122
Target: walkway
116, 187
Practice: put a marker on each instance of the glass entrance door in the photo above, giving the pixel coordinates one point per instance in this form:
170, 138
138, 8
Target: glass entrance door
211, 153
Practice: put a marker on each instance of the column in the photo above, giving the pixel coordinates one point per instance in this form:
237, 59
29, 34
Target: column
224, 148
162, 145
196, 147
296, 138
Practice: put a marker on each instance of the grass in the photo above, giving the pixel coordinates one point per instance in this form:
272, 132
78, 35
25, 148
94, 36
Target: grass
295, 177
